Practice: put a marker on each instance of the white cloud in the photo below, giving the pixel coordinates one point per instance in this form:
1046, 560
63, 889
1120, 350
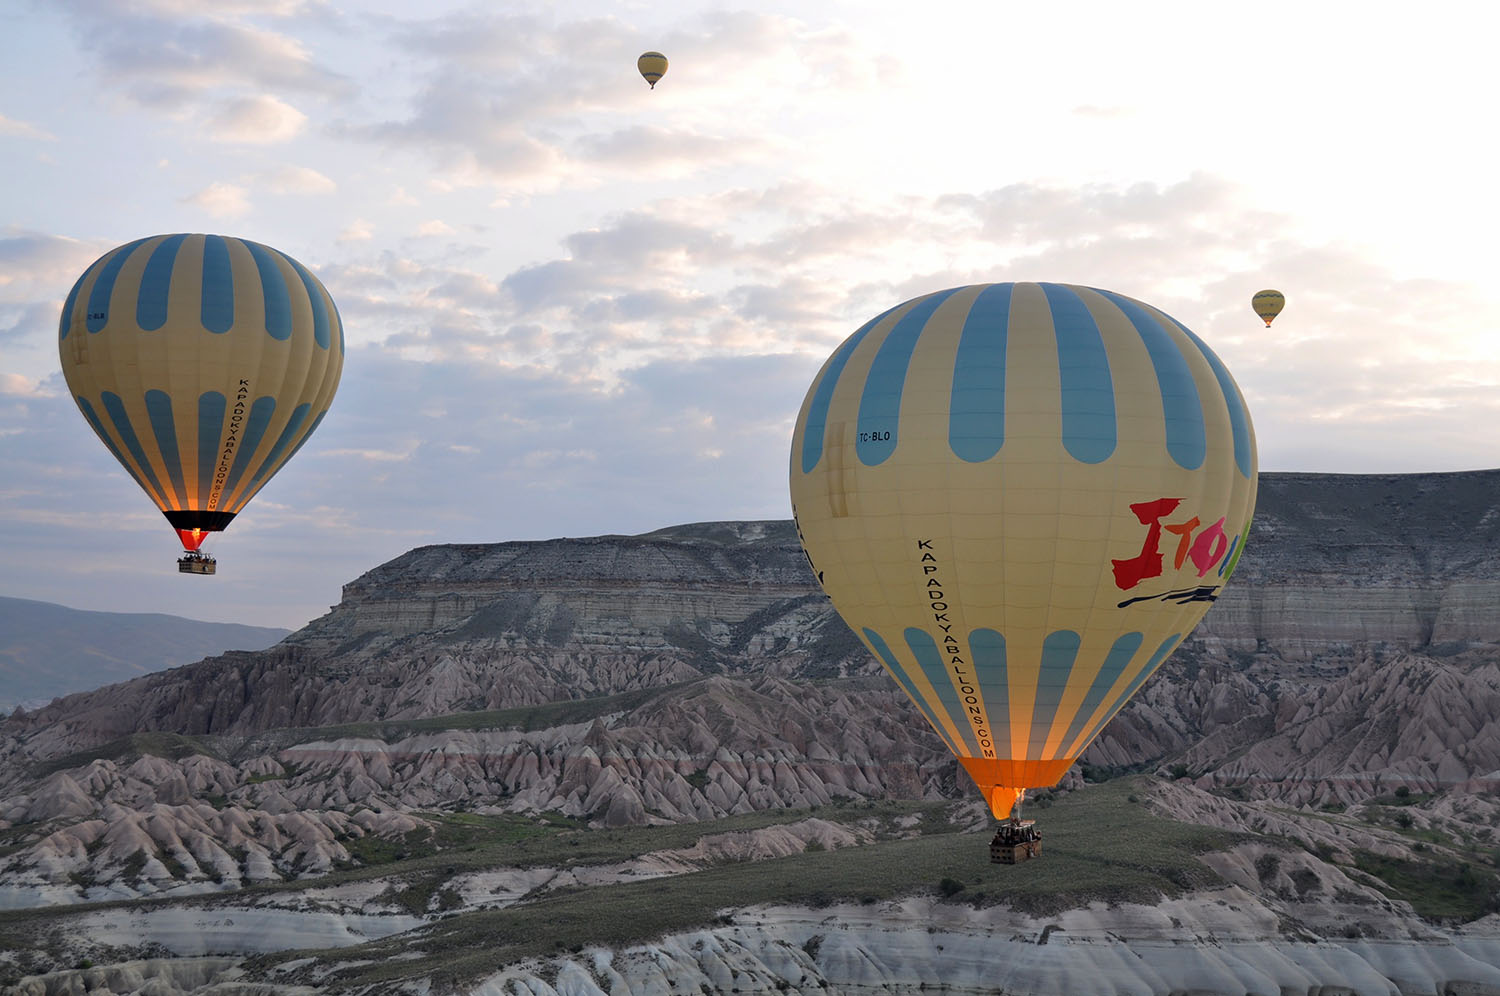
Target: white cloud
20, 386
221, 200
358, 230
36, 263
22, 129
298, 180
526, 105
434, 227
259, 120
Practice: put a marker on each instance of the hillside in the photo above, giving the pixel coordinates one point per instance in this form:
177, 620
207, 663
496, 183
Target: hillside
480, 727
50, 650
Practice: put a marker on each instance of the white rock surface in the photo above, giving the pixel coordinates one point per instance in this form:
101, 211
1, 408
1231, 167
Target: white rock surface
193, 932
1205, 946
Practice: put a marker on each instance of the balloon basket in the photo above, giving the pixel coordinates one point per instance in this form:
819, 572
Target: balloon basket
1015, 841
196, 563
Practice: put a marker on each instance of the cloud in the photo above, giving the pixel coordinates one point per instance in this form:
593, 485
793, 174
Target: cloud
526, 105
298, 180
259, 120
29, 322
33, 262
661, 152
23, 129
168, 56
358, 230
20, 386
221, 200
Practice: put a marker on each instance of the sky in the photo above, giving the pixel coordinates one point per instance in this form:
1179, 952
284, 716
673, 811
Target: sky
577, 306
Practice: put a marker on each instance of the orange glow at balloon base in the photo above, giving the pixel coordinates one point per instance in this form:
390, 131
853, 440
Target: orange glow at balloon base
192, 539
1003, 781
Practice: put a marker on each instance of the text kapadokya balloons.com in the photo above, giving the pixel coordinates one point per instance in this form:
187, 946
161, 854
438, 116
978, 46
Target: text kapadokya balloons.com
203, 363
1268, 304
1022, 497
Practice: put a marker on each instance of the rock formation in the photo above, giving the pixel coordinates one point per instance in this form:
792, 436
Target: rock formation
1342, 697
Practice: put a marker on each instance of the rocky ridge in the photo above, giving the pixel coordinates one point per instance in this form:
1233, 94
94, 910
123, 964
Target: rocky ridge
1341, 697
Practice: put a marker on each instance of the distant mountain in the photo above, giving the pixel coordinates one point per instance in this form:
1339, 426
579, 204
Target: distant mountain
49, 650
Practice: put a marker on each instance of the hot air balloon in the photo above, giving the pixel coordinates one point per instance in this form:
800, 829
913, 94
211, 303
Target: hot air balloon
203, 363
653, 66
1022, 497
1268, 304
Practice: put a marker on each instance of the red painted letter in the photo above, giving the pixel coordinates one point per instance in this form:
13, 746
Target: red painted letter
1147, 563
1210, 545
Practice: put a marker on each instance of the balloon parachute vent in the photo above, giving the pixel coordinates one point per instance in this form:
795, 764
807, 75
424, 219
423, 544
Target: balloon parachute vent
193, 562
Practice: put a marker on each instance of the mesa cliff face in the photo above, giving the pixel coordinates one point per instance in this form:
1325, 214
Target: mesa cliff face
1409, 560
1339, 569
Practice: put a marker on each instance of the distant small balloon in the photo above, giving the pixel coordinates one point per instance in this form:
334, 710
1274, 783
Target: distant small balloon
1268, 304
653, 66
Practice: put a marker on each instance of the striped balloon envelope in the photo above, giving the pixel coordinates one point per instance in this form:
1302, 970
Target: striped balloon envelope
652, 66
203, 363
1022, 497
1268, 304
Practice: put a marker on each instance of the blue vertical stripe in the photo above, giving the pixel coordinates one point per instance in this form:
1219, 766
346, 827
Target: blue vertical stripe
287, 435
976, 413
817, 412
1239, 421
104, 286
1088, 393
880, 402
255, 428
314, 298
211, 408
67, 312
1228, 557
159, 409
273, 289
1124, 695
156, 284
930, 660
1187, 438
88, 413
117, 414
884, 653
988, 650
216, 310
1059, 652
1119, 657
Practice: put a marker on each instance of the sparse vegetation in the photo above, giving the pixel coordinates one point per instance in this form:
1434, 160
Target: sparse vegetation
1097, 846
1441, 890
127, 750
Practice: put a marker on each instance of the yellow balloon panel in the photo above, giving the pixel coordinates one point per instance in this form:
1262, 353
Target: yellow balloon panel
202, 363
1022, 497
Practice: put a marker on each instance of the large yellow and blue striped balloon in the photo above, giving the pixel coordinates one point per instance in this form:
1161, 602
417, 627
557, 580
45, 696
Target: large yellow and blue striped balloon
1022, 497
203, 363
